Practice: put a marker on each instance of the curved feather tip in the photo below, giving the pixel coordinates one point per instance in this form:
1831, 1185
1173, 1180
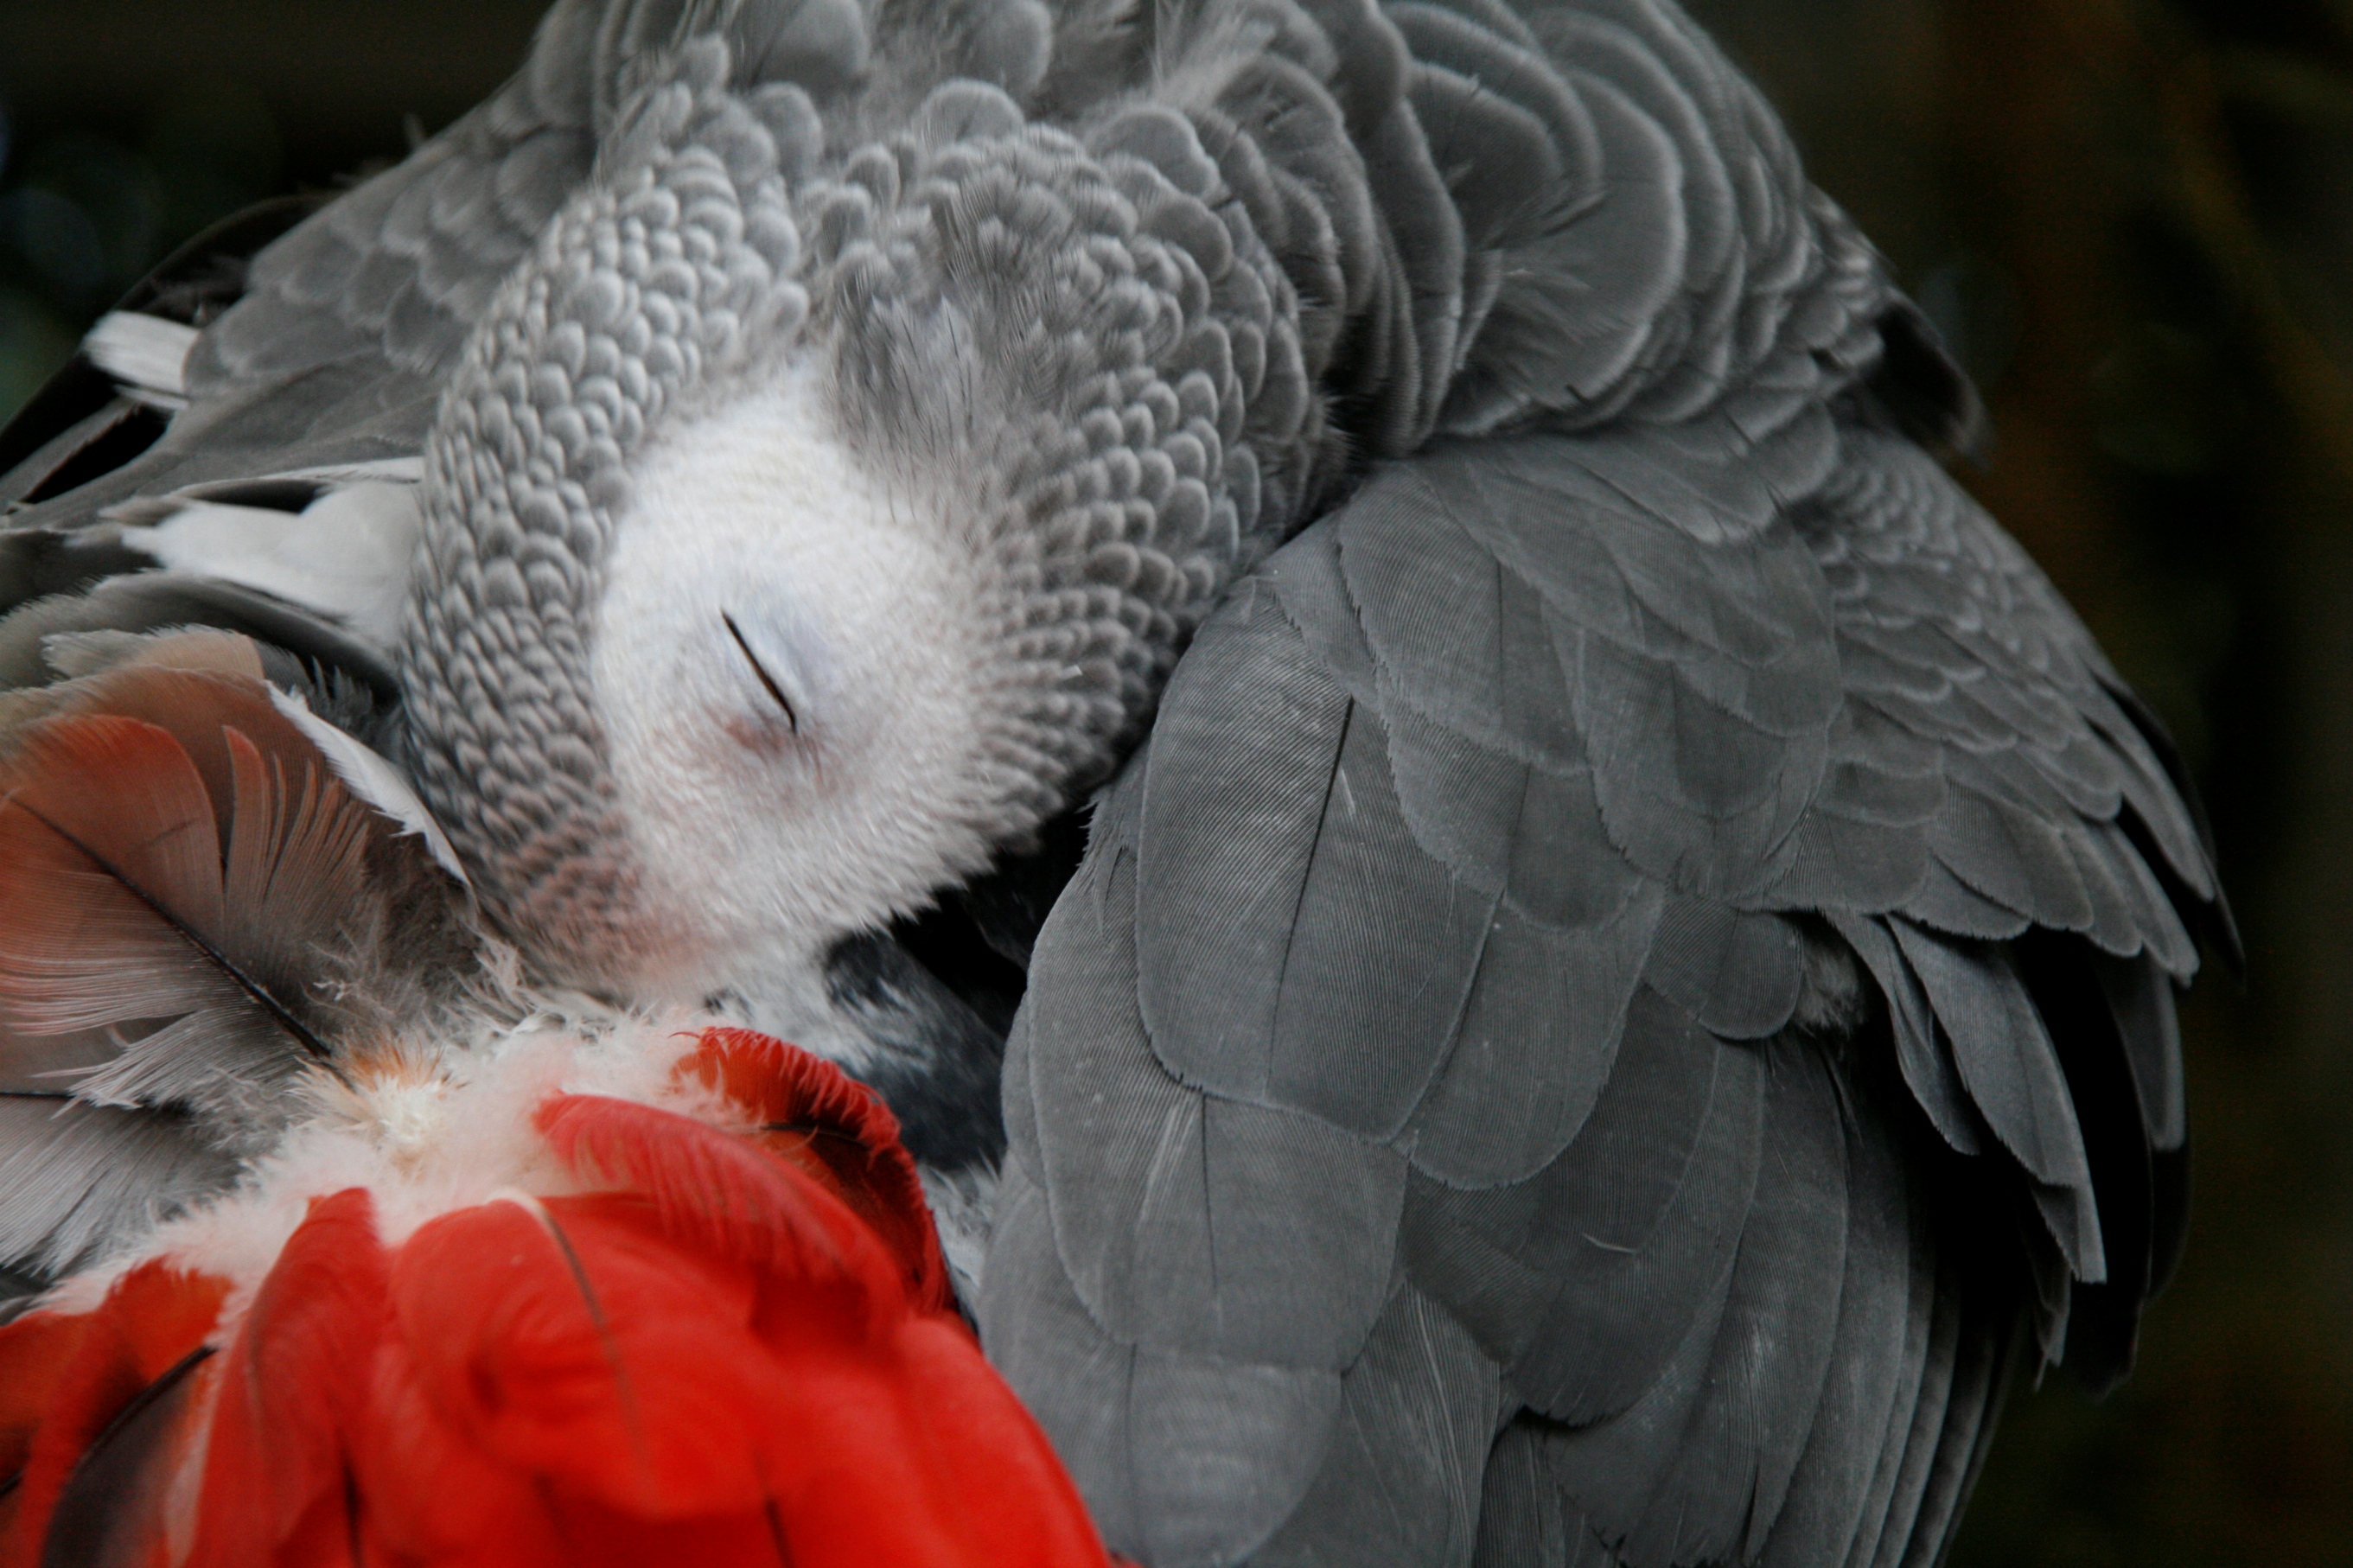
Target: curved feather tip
707, 1344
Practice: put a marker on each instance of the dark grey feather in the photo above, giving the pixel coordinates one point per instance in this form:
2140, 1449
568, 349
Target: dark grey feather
1922, 1051
1521, 1512
1583, 1279
1700, 688
1739, 975
1403, 1478
1546, 1011
1213, 975
1189, 1221
1874, 1354
1355, 1038
1075, 1379
2140, 995
939, 1061
1183, 1460
2014, 1077
1987, 1365
1698, 1469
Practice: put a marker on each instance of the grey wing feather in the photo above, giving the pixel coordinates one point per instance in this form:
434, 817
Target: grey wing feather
1525, 1522
1875, 1352
1697, 1468
1923, 1049
1582, 1280
1677, 1160
1232, 870
1075, 1377
1161, 1193
1182, 1458
77, 1176
1402, 1482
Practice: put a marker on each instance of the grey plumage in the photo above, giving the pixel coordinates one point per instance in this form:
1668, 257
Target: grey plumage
1623, 976
78, 1176
1610, 1323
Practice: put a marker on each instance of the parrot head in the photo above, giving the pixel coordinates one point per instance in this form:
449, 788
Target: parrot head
799, 535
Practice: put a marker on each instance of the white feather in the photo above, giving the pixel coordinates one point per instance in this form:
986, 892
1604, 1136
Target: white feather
345, 555
436, 1128
370, 777
391, 471
146, 354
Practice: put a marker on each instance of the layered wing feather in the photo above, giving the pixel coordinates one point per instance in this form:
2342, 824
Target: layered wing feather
1486, 840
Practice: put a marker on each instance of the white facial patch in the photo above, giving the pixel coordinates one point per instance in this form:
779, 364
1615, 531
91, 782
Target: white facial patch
789, 664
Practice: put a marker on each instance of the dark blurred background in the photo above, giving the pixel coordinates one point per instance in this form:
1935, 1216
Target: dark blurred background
2134, 218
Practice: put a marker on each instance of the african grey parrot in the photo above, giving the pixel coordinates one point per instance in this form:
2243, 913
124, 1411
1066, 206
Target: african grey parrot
1620, 974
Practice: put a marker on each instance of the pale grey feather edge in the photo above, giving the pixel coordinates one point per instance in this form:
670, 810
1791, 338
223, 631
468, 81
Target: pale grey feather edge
80, 1177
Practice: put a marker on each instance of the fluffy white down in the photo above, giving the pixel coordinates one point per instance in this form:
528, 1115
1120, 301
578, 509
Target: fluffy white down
763, 832
447, 1131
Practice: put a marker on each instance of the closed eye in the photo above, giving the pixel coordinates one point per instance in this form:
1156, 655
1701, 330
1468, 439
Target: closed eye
791, 718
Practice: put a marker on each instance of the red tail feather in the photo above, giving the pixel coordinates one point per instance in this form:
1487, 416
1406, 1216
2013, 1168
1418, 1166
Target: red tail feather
836, 1130
293, 1383
720, 1361
68, 1377
716, 1191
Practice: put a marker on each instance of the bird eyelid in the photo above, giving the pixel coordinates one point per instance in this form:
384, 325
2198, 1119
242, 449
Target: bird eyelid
768, 677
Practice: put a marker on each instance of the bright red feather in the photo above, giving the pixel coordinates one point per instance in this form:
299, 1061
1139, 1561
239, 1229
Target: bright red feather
293, 1384
716, 1191
836, 1130
86, 1368
739, 1353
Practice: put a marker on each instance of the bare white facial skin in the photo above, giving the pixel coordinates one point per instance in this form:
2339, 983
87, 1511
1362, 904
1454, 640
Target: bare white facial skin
789, 665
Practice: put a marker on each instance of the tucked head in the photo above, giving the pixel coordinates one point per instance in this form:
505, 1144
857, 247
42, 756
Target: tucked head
771, 584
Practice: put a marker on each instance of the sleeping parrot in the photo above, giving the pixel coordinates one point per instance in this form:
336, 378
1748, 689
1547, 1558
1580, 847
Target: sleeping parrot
511, 1286
1326, 639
